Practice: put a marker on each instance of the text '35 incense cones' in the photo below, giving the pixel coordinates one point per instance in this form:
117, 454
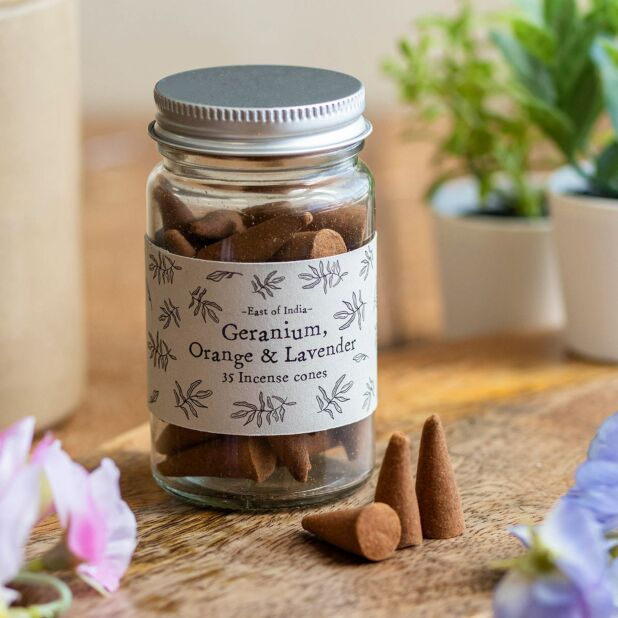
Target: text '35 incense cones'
396, 488
371, 531
436, 489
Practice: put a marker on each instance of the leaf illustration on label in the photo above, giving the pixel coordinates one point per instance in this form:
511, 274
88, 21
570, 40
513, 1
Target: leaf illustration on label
160, 352
220, 275
369, 394
360, 357
163, 268
265, 409
266, 287
331, 404
354, 310
148, 294
203, 306
191, 401
330, 276
169, 313
153, 396
367, 263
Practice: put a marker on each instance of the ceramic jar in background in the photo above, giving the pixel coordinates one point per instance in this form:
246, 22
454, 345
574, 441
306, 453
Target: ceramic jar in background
497, 273
41, 338
586, 237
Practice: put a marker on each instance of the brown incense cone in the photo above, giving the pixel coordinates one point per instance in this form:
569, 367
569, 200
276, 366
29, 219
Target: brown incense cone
396, 488
354, 438
436, 489
174, 439
293, 453
174, 213
371, 531
216, 225
227, 457
349, 221
262, 212
258, 243
320, 441
311, 245
178, 244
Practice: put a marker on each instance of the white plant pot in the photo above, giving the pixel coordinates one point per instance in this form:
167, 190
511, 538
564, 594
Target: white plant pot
497, 274
586, 236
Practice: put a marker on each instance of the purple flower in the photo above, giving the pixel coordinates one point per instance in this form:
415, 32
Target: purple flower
565, 573
596, 480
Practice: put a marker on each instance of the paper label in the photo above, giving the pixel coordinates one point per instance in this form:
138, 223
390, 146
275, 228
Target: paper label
262, 348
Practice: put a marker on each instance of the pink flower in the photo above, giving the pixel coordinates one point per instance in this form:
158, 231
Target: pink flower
19, 501
100, 529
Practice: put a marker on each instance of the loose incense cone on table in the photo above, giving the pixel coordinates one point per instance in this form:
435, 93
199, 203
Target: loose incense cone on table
174, 213
349, 221
258, 243
174, 439
396, 488
226, 457
371, 531
293, 453
311, 245
176, 243
438, 497
216, 225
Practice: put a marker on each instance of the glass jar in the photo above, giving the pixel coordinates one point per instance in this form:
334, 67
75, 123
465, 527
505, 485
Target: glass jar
261, 287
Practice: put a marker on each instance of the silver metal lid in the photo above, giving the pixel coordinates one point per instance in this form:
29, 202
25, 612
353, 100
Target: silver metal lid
259, 110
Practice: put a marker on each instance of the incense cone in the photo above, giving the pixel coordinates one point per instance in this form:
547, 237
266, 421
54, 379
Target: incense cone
174, 439
176, 243
227, 457
174, 213
311, 245
396, 488
353, 438
262, 212
320, 441
293, 453
216, 225
349, 221
436, 489
258, 243
371, 531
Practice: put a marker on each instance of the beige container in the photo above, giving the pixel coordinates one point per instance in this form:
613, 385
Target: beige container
41, 338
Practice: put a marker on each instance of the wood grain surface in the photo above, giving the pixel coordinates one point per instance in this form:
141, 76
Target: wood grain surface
512, 461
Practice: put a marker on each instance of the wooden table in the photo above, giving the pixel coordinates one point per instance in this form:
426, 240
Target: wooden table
519, 413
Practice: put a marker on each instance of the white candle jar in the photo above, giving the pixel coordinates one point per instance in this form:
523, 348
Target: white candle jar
261, 287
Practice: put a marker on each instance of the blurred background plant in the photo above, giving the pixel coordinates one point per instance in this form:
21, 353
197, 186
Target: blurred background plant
468, 88
565, 63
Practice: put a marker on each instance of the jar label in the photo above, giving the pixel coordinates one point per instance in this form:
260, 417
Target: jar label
262, 348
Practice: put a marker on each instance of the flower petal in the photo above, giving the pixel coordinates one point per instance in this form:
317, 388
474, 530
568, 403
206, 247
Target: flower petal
605, 444
15, 443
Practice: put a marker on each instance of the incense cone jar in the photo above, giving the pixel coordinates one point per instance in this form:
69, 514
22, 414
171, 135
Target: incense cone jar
261, 287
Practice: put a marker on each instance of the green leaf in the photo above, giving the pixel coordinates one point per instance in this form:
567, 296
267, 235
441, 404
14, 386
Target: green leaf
559, 15
607, 163
554, 123
533, 76
537, 41
573, 56
604, 54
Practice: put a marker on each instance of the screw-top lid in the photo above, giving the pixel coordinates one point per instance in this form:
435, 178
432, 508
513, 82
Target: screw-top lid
259, 110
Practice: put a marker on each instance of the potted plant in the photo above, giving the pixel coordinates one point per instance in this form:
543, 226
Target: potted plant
565, 61
496, 262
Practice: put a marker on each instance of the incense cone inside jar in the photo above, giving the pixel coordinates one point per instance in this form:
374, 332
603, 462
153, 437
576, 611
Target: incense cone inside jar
371, 531
262, 212
216, 225
258, 243
320, 441
176, 243
175, 214
174, 439
225, 457
396, 488
293, 453
311, 245
349, 221
354, 438
439, 502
